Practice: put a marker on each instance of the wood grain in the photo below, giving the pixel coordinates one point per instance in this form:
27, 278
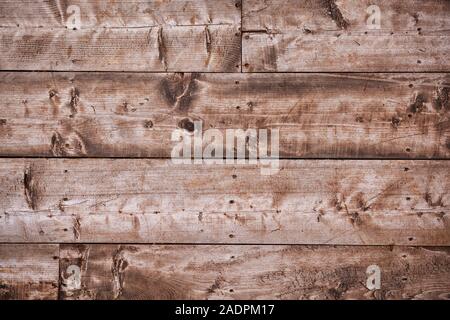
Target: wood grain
134, 115
87, 184
333, 36
156, 201
119, 14
123, 36
29, 271
254, 272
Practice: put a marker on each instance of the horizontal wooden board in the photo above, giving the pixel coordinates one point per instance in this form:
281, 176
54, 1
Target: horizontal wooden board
121, 36
155, 201
253, 272
29, 271
118, 14
181, 48
134, 115
333, 36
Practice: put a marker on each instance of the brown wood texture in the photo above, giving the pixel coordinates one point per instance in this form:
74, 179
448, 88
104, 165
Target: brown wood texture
134, 115
88, 107
119, 14
253, 272
333, 36
29, 271
155, 201
121, 36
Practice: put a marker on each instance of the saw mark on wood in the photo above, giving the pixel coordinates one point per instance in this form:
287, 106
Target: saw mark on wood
76, 227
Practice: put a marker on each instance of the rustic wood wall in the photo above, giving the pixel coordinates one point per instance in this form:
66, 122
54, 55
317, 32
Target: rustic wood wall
87, 184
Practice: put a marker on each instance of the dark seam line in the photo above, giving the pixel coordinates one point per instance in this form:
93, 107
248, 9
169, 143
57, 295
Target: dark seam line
224, 244
228, 72
242, 33
280, 158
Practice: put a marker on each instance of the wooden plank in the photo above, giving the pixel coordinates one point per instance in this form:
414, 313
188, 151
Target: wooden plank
29, 271
124, 36
134, 115
182, 48
155, 201
253, 272
115, 14
333, 36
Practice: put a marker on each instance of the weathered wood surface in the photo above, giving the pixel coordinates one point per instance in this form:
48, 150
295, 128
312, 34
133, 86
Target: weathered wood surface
253, 272
134, 115
330, 35
118, 14
155, 201
224, 231
121, 36
29, 271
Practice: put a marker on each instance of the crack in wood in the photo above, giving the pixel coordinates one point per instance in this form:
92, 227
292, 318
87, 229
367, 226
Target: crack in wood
119, 264
162, 50
442, 100
208, 45
178, 90
76, 227
418, 104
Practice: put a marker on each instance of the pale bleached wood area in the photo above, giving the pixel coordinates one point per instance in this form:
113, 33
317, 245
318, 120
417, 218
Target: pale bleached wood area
93, 207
